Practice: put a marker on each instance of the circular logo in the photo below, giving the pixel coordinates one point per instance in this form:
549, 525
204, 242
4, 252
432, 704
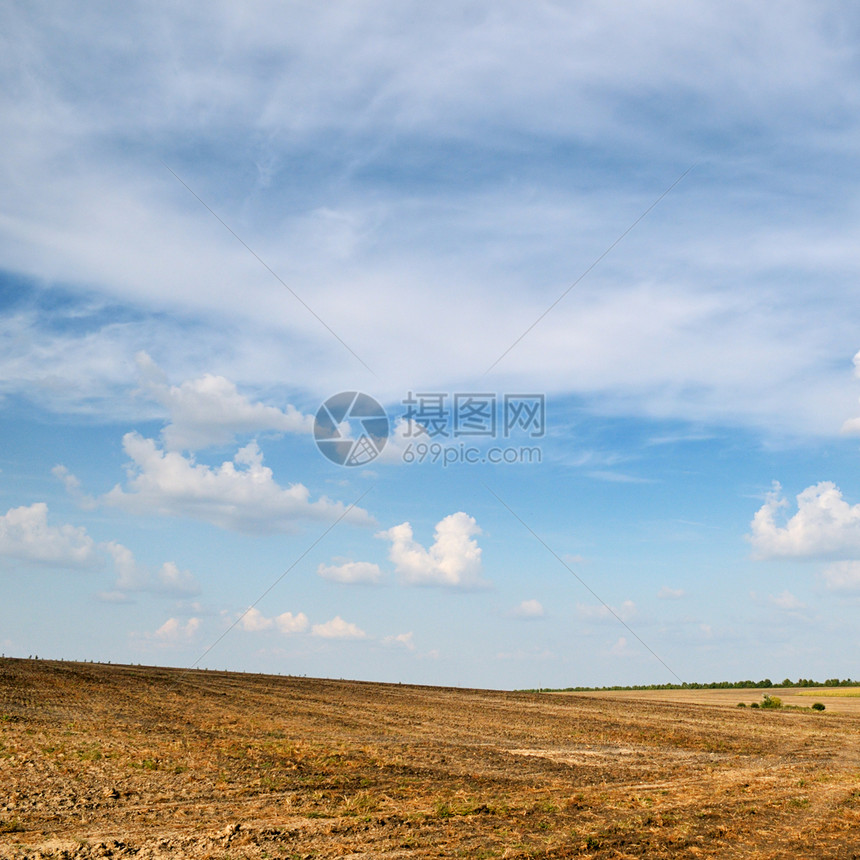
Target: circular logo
351, 428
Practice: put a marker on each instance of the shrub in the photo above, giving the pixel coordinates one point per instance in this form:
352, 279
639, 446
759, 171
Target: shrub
769, 701
818, 707
741, 704
755, 705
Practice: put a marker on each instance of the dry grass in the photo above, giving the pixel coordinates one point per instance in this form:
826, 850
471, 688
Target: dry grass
841, 700
832, 693
119, 761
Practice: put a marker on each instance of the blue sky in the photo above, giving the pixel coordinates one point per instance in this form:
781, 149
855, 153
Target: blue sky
403, 190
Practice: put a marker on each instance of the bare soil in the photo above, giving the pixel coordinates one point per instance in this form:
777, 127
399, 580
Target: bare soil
123, 761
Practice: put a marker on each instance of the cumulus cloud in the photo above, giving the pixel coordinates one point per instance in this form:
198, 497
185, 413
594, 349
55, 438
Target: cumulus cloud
402, 640
600, 612
210, 410
288, 623
239, 495
26, 535
454, 559
351, 572
254, 622
825, 525
666, 593
530, 609
173, 631
337, 628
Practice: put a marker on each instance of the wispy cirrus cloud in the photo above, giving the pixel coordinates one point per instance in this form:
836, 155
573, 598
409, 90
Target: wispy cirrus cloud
416, 164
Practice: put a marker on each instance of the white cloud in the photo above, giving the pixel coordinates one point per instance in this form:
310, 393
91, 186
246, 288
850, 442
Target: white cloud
210, 410
132, 576
70, 482
26, 535
842, 576
824, 525
241, 495
403, 640
786, 601
70, 173
288, 623
453, 560
666, 593
852, 425
601, 612
175, 581
530, 609
174, 631
351, 572
73, 487
337, 628
254, 621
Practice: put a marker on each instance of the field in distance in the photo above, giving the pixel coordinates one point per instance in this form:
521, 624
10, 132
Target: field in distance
142, 762
842, 700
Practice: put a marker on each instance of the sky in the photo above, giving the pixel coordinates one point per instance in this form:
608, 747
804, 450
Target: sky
612, 245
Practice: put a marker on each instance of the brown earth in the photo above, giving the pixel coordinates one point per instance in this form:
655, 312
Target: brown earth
123, 761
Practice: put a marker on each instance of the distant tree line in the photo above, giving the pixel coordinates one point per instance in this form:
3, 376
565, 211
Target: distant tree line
711, 685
